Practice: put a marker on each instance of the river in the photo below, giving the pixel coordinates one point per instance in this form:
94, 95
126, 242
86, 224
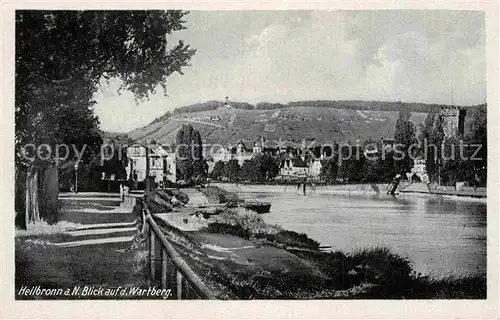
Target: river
441, 236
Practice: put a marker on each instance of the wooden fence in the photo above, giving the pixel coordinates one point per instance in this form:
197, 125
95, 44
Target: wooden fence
166, 267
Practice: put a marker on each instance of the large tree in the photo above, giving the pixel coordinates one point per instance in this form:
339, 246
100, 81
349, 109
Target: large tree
218, 171
232, 170
466, 156
62, 57
405, 136
431, 140
191, 166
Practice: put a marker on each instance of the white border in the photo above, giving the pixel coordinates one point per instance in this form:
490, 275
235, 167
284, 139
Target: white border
374, 309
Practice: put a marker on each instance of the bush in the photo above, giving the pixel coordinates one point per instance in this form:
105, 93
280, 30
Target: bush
380, 266
292, 239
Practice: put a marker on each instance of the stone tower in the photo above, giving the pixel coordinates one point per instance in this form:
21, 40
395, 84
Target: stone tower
453, 119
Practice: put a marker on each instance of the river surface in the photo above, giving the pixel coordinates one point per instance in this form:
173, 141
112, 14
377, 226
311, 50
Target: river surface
441, 236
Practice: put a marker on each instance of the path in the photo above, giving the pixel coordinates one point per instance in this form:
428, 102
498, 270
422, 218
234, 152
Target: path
196, 198
94, 251
200, 122
183, 219
416, 188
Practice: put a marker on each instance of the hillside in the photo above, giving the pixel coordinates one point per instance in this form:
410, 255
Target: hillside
227, 126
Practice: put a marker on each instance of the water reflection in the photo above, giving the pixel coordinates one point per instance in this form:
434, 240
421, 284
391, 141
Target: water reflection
440, 235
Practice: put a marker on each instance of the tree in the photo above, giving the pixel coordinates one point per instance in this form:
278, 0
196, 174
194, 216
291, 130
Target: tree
191, 166
405, 136
478, 135
330, 170
232, 170
431, 140
200, 167
464, 161
351, 167
218, 171
61, 59
269, 165
262, 167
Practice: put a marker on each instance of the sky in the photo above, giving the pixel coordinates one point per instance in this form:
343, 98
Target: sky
282, 56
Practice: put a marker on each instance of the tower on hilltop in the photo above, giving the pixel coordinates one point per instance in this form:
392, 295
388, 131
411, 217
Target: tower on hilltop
226, 104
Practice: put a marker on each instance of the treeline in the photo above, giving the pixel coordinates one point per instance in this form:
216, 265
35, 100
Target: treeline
366, 105
262, 167
212, 105
340, 104
353, 105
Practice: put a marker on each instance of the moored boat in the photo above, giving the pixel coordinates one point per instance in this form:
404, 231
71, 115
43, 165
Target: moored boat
257, 206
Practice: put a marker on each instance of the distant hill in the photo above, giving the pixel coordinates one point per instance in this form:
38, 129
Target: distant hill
350, 104
320, 121
211, 105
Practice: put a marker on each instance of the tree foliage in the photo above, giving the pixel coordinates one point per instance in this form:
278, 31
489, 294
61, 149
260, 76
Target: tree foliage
62, 57
466, 157
191, 166
431, 139
405, 136
218, 171
330, 169
232, 170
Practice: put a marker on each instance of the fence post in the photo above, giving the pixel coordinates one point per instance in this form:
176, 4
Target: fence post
158, 261
180, 280
147, 234
152, 245
164, 269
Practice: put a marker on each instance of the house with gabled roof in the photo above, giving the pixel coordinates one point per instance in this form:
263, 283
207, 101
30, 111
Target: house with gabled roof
162, 163
293, 166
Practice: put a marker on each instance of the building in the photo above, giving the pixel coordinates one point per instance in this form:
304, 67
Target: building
292, 167
419, 170
315, 167
242, 153
226, 105
223, 154
453, 120
162, 164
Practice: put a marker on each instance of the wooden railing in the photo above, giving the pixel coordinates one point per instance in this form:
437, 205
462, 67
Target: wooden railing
166, 267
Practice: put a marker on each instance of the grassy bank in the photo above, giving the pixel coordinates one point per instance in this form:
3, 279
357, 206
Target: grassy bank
166, 200
267, 262
39, 261
248, 225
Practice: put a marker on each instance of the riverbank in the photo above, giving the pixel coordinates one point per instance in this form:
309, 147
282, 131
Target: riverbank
293, 188
242, 257
373, 188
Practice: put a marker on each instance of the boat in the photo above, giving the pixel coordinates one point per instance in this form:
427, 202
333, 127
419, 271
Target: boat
257, 206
